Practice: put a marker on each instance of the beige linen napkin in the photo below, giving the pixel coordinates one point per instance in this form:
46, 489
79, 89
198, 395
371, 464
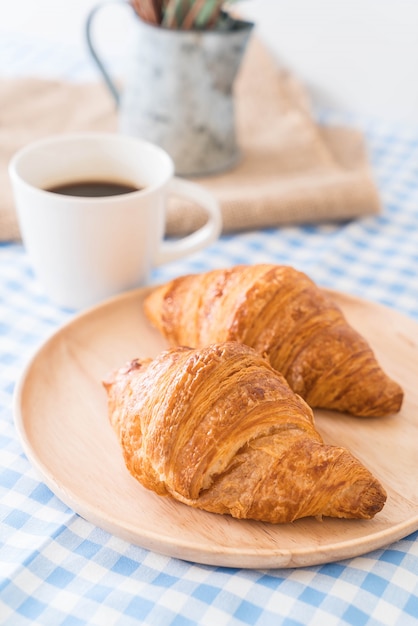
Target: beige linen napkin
291, 170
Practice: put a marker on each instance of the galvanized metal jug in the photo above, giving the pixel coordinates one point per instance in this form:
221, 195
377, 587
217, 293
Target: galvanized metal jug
178, 92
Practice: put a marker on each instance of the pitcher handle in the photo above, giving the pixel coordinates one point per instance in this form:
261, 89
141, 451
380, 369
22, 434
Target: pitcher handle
88, 33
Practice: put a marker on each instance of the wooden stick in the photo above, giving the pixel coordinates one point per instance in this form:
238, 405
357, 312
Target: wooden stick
170, 14
148, 10
182, 14
192, 13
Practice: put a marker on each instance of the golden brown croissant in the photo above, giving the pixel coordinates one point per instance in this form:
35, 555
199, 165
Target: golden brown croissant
282, 314
219, 429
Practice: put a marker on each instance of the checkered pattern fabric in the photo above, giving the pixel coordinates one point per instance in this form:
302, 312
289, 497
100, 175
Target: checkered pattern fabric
56, 568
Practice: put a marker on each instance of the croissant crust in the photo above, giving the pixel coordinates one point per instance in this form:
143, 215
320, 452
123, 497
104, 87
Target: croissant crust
219, 429
282, 314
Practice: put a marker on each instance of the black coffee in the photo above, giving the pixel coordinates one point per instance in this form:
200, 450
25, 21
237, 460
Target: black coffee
93, 189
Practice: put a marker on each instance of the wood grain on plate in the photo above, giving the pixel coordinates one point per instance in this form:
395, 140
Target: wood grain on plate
61, 417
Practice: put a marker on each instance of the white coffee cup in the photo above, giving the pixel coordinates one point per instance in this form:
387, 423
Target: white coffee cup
85, 249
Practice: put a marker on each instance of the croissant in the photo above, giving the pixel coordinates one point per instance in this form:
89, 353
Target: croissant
219, 429
282, 314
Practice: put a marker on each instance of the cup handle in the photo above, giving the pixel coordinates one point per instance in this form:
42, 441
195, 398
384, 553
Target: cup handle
204, 236
89, 39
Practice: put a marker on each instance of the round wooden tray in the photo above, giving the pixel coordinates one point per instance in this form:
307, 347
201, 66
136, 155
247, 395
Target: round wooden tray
61, 418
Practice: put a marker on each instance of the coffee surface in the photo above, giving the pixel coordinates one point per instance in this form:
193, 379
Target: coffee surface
93, 188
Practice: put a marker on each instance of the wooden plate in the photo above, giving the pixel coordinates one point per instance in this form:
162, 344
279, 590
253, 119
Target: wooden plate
61, 417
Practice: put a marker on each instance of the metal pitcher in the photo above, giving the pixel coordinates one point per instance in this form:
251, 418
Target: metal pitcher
178, 92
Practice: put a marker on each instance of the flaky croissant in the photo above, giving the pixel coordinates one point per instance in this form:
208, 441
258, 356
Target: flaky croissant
219, 429
282, 314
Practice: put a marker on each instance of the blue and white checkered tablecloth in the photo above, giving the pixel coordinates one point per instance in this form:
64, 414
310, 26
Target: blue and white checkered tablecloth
57, 568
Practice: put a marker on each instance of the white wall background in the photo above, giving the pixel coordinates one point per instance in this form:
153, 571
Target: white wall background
357, 55
53, 20
354, 55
